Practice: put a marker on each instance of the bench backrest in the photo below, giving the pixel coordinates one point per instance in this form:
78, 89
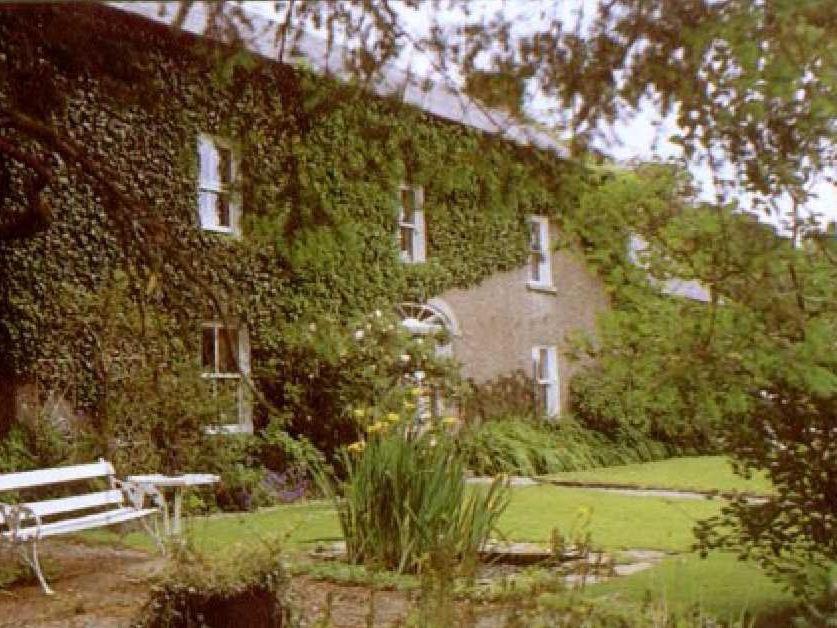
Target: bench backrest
56, 475
59, 475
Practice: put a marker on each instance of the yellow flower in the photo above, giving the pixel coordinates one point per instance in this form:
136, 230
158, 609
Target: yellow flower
357, 447
409, 405
377, 426
392, 417
415, 391
450, 421
359, 413
584, 512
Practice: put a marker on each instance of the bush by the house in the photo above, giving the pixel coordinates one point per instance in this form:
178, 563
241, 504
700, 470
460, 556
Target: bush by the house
332, 367
527, 446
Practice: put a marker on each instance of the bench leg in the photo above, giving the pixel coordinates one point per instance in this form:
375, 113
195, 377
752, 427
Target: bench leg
154, 532
35, 565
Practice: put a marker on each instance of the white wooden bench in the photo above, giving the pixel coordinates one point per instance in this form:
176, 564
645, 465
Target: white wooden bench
23, 524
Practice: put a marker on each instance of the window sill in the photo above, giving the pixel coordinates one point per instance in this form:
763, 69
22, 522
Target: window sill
228, 231
230, 428
541, 287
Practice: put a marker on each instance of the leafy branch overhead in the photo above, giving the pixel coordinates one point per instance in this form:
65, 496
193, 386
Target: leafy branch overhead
750, 84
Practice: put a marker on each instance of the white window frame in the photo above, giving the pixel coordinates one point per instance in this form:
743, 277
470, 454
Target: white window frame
416, 253
212, 183
540, 271
241, 353
546, 378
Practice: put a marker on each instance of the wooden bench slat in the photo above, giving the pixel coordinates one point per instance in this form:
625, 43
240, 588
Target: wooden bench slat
96, 520
49, 507
43, 477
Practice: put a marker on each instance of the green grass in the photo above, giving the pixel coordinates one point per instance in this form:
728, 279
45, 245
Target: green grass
702, 473
616, 521
720, 585
298, 524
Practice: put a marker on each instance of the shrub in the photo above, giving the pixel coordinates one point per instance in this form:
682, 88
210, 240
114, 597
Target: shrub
37, 443
14, 454
405, 501
524, 446
330, 368
158, 421
250, 589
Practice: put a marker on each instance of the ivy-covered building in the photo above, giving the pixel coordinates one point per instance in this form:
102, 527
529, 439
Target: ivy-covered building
317, 199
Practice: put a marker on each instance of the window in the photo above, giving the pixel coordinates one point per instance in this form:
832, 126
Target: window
434, 320
547, 392
435, 323
225, 356
219, 206
411, 231
540, 267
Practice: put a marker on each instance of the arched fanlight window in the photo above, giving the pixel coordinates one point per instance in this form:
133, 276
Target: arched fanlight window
433, 318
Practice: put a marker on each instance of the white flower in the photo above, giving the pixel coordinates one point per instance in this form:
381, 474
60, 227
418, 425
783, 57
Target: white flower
378, 314
359, 334
405, 358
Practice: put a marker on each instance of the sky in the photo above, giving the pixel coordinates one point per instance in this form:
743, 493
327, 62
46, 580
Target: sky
643, 136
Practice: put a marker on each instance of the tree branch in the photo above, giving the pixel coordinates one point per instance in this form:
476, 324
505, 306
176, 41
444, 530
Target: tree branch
38, 214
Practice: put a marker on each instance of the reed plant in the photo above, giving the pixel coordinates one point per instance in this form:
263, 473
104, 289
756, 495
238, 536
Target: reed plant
404, 501
526, 446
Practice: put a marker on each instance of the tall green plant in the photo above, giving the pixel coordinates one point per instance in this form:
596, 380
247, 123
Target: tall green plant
405, 501
521, 446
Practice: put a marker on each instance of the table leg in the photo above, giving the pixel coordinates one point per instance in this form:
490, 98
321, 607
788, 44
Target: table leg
166, 515
178, 507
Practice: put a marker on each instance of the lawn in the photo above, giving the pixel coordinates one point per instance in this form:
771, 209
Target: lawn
701, 473
615, 521
720, 585
299, 524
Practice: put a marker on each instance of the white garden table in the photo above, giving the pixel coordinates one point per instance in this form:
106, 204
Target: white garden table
179, 484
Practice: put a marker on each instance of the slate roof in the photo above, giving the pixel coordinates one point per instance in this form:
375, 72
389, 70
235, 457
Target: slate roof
258, 35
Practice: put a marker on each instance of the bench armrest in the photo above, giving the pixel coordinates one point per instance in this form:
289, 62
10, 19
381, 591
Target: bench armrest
136, 493
13, 516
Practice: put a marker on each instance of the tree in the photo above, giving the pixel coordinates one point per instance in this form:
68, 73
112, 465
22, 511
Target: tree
752, 372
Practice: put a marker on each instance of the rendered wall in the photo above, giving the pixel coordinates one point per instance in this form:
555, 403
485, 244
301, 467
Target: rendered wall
501, 319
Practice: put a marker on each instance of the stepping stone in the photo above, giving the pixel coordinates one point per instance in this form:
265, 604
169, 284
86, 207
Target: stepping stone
632, 568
